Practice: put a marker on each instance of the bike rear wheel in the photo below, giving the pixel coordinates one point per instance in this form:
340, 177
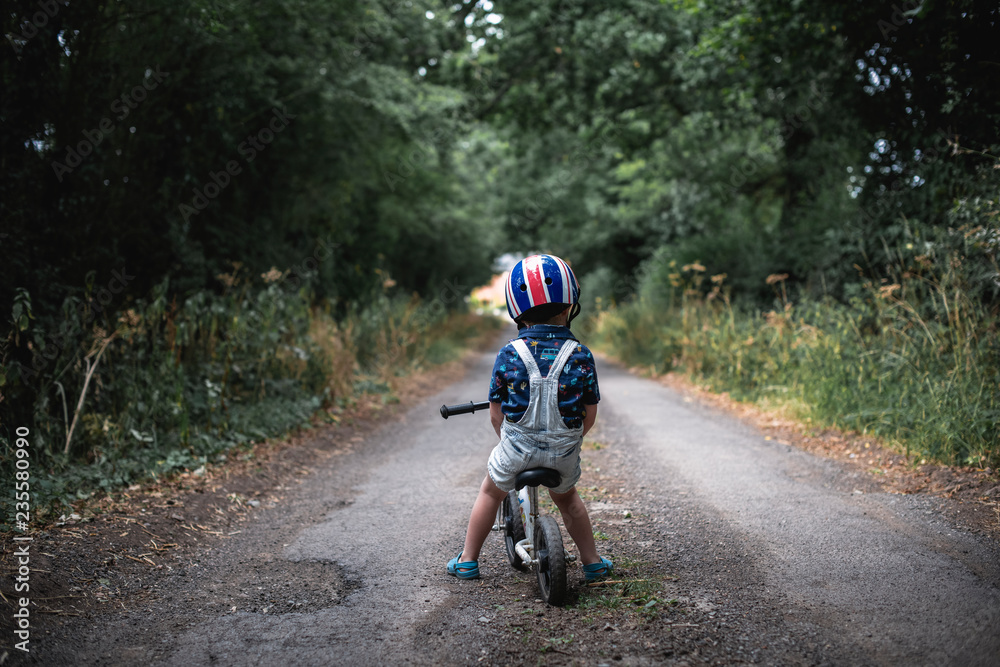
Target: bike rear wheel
551, 557
513, 528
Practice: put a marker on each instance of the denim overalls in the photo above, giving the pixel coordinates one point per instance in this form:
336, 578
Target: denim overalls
540, 438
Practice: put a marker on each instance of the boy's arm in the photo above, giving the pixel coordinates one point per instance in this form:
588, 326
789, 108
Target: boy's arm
496, 417
588, 421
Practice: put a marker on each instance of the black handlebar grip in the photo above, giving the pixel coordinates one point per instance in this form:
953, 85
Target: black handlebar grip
464, 408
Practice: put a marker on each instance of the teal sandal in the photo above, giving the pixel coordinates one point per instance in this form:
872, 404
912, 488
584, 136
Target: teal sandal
467, 570
596, 571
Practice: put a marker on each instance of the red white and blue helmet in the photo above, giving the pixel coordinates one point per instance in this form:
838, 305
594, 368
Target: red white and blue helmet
538, 280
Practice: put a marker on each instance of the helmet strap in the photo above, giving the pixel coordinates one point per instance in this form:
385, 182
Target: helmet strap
573, 312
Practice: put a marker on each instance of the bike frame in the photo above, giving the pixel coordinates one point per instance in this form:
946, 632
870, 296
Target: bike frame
527, 504
549, 567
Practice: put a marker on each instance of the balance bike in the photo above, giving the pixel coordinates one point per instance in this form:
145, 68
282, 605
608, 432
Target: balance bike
531, 540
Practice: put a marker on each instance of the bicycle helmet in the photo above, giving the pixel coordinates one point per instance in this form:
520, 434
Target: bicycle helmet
538, 281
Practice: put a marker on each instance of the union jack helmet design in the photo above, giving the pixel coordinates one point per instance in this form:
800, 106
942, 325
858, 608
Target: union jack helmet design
538, 280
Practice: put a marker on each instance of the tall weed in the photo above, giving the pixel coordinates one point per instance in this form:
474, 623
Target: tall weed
913, 357
178, 384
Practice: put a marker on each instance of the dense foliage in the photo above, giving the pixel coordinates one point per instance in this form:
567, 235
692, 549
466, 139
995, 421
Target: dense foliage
191, 188
845, 151
874, 364
197, 197
757, 137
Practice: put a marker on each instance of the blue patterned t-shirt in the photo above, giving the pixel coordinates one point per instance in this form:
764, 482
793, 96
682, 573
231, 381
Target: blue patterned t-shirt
577, 383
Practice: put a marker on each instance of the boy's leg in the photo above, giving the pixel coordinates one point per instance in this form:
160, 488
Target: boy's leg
484, 512
577, 522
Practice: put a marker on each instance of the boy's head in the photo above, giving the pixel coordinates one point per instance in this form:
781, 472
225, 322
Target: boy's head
549, 313
542, 289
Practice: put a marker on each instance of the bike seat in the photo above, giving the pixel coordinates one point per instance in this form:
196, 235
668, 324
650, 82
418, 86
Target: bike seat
537, 477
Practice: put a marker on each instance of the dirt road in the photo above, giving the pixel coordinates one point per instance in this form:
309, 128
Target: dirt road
735, 550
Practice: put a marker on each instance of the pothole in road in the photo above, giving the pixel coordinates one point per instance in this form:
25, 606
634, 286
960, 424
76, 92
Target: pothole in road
281, 587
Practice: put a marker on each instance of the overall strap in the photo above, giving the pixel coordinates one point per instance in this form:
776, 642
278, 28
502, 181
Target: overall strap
557, 365
529, 360
532, 366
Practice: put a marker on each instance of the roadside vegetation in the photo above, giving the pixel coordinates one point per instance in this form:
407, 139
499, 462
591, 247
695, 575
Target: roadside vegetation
913, 359
175, 386
221, 218
796, 204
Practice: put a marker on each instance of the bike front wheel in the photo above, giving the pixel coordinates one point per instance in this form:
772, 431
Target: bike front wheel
513, 528
551, 568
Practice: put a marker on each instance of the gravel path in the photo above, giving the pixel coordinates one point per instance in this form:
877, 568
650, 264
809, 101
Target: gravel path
881, 574
746, 551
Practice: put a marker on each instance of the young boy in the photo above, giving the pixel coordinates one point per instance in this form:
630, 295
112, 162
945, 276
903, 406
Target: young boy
543, 400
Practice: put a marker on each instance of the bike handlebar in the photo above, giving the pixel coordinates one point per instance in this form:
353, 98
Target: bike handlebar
464, 408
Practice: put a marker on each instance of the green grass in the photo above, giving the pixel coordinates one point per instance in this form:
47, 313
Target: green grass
181, 385
641, 597
914, 364
557, 643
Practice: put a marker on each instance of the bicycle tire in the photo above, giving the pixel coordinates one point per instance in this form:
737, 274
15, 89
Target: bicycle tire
513, 528
551, 556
